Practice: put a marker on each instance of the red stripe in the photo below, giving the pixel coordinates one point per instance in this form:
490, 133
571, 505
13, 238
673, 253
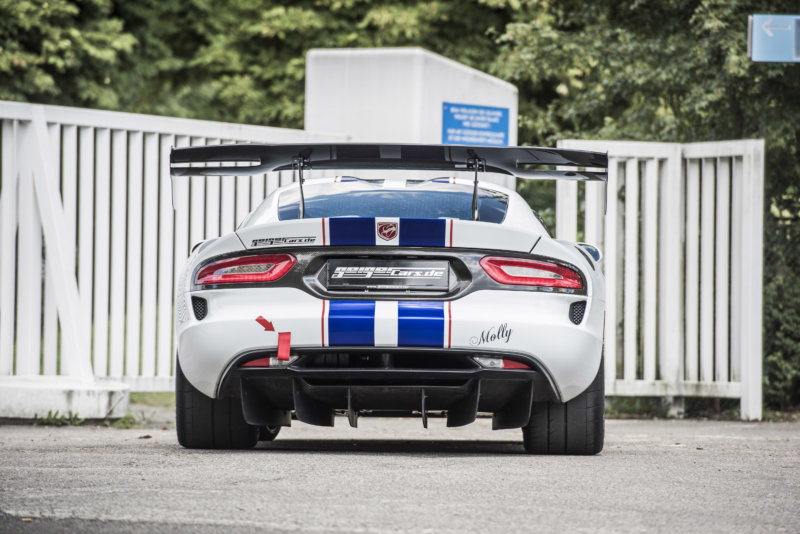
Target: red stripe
449, 325
451, 233
323, 231
284, 345
323, 323
261, 362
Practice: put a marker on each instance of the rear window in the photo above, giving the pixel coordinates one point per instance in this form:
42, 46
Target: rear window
374, 198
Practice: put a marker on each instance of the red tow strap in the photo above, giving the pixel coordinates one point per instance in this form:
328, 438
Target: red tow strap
284, 345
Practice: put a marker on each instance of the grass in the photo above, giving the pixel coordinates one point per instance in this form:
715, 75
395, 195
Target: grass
56, 419
635, 408
154, 399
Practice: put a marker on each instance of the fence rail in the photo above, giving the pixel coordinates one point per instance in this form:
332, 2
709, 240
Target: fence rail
91, 248
682, 238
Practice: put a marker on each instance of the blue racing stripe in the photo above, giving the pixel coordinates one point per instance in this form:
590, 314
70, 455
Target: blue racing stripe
352, 230
420, 324
351, 322
422, 232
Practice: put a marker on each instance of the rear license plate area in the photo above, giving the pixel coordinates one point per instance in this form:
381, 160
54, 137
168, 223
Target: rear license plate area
388, 275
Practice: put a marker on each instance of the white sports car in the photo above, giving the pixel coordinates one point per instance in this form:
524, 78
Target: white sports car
405, 286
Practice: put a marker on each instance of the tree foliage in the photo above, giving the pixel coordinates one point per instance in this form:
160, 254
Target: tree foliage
244, 61
61, 52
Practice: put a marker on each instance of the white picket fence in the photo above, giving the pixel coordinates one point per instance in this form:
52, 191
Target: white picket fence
91, 248
91, 245
682, 239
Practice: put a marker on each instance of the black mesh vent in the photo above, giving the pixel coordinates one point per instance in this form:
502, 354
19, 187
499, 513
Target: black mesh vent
576, 310
201, 307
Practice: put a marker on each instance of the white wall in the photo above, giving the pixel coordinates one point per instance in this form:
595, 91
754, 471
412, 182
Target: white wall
396, 94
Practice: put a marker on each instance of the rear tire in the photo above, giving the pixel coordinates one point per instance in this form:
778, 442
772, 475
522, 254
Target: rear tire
206, 423
573, 427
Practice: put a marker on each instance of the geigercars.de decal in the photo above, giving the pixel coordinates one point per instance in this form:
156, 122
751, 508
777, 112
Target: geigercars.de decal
490, 335
386, 272
268, 241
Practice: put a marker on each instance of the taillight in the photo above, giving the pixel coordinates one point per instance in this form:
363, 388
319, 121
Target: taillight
246, 269
523, 272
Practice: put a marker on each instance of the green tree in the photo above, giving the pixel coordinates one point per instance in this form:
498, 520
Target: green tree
244, 61
61, 52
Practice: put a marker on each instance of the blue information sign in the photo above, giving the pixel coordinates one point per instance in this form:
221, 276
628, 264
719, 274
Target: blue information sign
774, 38
468, 124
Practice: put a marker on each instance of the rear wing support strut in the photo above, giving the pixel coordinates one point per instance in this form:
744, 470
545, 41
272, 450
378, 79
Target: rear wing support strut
478, 165
298, 164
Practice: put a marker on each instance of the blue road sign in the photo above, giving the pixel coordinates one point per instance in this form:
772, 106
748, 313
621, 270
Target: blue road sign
774, 38
467, 124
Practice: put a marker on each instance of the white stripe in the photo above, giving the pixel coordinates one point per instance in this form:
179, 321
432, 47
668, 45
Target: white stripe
447, 312
386, 323
326, 230
448, 224
324, 325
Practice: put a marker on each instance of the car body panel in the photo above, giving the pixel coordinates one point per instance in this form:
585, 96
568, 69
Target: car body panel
475, 317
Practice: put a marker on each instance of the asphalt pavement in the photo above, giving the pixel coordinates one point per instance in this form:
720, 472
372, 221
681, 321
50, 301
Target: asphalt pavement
394, 476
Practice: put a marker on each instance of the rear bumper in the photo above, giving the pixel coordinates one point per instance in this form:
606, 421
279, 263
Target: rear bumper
269, 395
536, 329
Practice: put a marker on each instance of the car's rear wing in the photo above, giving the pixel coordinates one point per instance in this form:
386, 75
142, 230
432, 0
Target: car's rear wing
533, 163
519, 161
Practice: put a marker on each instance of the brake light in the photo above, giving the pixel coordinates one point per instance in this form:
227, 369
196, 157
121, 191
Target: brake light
524, 272
246, 269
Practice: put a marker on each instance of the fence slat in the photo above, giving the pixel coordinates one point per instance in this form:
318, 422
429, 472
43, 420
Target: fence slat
631, 277
707, 218
737, 258
670, 269
722, 261
610, 259
29, 264
69, 194
133, 298
227, 215
197, 205
242, 198
595, 206
166, 252
102, 225
212, 209
149, 254
119, 178
86, 219
692, 288
752, 238
567, 209
256, 191
8, 244
650, 188
181, 239
49, 309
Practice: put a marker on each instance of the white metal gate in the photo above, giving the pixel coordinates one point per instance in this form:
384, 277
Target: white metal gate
682, 240
91, 246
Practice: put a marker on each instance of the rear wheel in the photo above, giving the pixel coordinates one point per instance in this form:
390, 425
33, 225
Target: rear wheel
206, 423
574, 427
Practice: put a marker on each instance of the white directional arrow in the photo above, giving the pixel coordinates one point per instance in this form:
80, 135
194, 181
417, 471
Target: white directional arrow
767, 26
